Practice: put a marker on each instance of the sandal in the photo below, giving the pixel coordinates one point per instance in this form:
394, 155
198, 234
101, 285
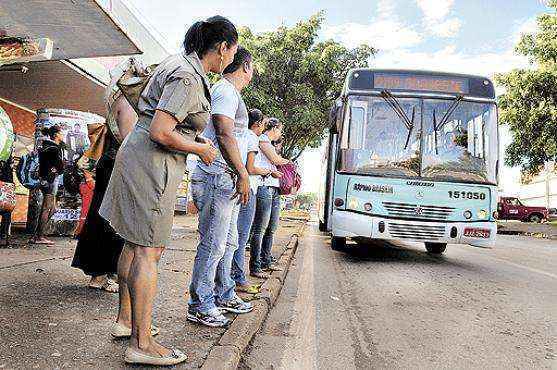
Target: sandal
133, 356
111, 286
108, 285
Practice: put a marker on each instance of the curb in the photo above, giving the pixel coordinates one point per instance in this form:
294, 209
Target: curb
527, 233
227, 353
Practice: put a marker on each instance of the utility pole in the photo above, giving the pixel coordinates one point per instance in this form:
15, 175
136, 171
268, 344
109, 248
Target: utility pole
549, 168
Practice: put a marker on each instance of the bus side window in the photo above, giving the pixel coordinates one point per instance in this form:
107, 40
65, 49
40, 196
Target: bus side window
357, 126
343, 121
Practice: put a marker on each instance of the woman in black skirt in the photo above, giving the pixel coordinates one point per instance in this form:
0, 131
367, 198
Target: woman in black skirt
99, 247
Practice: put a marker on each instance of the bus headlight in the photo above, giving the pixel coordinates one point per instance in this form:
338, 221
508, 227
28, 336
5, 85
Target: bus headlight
368, 207
482, 214
467, 215
339, 202
496, 215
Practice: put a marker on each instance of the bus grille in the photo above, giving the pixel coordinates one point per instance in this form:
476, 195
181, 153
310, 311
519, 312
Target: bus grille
418, 211
416, 232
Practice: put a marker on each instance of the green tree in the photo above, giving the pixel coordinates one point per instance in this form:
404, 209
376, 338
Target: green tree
306, 200
529, 105
298, 78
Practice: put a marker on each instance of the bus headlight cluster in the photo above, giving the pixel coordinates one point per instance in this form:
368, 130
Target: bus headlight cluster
467, 215
353, 204
368, 207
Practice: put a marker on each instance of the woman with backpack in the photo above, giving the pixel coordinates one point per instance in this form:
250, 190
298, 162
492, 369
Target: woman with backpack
267, 209
174, 109
99, 247
51, 166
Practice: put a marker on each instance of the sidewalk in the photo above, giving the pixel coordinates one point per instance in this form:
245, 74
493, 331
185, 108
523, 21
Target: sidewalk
542, 230
50, 320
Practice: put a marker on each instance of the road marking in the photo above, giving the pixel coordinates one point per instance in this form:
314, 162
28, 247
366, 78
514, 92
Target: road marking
300, 352
524, 267
531, 269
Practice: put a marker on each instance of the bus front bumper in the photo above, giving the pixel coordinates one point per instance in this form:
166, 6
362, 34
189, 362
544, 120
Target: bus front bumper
352, 225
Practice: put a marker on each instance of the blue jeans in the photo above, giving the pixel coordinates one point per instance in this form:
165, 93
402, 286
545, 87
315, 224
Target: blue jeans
245, 220
217, 240
267, 212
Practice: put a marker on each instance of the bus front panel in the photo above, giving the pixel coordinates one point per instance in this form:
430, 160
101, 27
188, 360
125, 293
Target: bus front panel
415, 210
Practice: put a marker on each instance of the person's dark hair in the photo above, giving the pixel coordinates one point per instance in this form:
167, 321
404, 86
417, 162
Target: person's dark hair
254, 116
51, 131
43, 112
242, 56
203, 36
272, 123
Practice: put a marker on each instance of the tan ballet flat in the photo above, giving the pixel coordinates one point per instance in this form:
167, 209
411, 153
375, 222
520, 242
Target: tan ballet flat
121, 331
132, 356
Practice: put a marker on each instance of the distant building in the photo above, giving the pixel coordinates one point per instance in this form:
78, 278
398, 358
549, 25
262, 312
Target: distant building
540, 190
309, 166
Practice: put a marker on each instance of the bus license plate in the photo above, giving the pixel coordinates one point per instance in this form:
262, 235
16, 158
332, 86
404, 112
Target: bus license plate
477, 233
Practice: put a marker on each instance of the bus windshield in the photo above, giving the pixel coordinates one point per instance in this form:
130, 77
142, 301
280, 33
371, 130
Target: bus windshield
432, 139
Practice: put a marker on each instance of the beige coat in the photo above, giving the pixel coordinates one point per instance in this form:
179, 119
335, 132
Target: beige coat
140, 199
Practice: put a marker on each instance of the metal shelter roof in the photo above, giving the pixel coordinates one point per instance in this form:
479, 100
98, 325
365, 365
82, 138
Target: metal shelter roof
78, 28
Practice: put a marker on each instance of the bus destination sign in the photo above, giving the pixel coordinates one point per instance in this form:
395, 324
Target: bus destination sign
412, 82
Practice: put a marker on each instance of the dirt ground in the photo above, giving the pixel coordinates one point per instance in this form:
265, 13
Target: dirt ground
50, 320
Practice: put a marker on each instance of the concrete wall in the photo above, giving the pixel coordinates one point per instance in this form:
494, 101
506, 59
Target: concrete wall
540, 192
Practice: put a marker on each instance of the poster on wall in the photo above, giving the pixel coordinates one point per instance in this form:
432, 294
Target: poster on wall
74, 129
75, 133
6, 136
66, 214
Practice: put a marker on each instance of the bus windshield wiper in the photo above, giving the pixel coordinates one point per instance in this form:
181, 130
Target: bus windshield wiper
395, 105
444, 120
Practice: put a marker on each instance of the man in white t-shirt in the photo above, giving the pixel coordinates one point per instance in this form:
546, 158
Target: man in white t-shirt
217, 190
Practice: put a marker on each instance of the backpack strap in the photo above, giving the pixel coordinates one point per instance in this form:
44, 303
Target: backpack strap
111, 123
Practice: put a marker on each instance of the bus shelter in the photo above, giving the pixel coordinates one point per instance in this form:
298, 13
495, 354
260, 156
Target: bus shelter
52, 75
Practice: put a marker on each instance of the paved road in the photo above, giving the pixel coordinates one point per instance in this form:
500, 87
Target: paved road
394, 306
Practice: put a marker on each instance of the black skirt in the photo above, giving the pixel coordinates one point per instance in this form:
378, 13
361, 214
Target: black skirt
98, 247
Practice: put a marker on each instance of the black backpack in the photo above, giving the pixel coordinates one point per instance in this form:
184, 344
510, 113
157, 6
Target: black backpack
27, 171
73, 177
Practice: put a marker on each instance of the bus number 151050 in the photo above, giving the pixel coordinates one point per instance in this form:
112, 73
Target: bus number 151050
466, 195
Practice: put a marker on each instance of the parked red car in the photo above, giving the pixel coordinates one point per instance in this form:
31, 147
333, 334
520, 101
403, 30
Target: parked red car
513, 209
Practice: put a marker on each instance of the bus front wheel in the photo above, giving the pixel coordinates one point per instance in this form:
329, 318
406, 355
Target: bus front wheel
435, 248
338, 243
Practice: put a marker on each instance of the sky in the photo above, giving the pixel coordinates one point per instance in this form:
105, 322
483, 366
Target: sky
467, 36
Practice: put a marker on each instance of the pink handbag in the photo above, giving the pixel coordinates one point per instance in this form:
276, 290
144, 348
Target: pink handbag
291, 181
